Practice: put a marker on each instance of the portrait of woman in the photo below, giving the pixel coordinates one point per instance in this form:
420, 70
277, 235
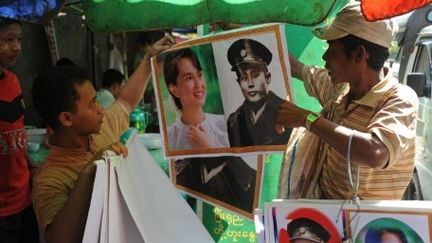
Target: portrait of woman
187, 87
389, 230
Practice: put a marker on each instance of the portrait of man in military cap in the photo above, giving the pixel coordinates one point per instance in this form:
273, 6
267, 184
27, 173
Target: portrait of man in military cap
227, 181
253, 122
306, 230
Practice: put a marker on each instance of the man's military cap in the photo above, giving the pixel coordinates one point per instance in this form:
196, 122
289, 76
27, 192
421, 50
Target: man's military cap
306, 229
245, 51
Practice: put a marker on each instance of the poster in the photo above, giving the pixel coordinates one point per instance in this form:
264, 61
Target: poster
373, 226
302, 221
230, 182
219, 94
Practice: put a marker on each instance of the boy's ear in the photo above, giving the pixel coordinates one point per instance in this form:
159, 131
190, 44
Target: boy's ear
65, 118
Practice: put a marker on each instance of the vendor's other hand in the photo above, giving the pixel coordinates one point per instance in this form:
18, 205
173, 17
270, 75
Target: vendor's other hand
198, 136
290, 115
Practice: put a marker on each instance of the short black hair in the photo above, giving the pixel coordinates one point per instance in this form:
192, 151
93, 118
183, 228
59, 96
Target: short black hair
171, 71
6, 22
111, 77
64, 61
377, 54
54, 91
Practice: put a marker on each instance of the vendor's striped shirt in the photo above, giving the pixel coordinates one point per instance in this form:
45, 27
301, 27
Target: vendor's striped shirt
389, 111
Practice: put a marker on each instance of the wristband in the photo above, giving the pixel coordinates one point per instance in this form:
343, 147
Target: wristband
311, 118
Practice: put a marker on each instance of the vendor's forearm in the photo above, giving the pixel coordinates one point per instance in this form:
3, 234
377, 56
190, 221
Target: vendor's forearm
366, 149
69, 224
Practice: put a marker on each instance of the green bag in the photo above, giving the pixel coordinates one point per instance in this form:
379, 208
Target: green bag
122, 15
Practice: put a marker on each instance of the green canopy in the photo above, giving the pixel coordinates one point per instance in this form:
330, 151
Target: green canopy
129, 15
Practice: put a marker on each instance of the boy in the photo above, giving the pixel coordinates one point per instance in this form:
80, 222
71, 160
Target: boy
66, 100
17, 220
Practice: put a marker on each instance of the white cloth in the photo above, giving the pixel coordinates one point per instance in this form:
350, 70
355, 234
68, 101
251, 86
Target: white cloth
214, 125
105, 98
134, 201
116, 59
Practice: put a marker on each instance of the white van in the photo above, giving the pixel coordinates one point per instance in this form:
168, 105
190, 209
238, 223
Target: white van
413, 67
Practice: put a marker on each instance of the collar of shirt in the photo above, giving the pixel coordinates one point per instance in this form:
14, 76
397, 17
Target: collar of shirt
372, 97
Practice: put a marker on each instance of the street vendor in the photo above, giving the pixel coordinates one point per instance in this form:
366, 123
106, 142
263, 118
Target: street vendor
362, 143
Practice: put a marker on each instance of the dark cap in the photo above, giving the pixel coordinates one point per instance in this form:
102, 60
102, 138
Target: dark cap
306, 229
248, 51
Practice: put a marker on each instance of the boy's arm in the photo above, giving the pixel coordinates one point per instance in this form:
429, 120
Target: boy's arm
134, 88
69, 224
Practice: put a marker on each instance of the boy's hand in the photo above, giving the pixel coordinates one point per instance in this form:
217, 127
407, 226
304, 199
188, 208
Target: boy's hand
164, 43
119, 149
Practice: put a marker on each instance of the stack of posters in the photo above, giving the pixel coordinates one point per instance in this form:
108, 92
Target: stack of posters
133, 201
345, 221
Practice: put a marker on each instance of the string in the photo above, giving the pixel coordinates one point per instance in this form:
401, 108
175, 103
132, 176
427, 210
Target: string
354, 185
351, 222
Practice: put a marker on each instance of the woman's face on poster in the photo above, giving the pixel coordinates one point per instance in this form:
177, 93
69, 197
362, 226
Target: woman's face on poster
190, 85
389, 237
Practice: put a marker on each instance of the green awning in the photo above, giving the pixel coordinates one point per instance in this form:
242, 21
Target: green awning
129, 15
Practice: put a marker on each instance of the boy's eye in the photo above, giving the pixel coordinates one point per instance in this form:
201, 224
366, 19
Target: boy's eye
93, 103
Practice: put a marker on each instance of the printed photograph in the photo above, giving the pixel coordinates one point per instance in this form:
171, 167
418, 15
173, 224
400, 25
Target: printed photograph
389, 227
229, 182
297, 222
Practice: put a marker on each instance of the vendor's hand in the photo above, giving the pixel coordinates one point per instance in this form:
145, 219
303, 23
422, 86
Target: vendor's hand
166, 42
198, 137
279, 129
290, 115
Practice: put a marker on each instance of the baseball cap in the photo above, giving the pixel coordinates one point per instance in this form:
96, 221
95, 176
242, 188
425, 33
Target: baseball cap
350, 20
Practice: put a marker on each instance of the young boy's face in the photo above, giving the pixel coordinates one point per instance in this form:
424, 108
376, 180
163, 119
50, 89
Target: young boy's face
87, 119
10, 44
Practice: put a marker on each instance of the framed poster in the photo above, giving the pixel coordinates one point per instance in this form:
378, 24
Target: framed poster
347, 221
229, 182
382, 226
219, 94
290, 220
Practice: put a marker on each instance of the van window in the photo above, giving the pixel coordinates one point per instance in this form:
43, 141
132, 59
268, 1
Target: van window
423, 61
